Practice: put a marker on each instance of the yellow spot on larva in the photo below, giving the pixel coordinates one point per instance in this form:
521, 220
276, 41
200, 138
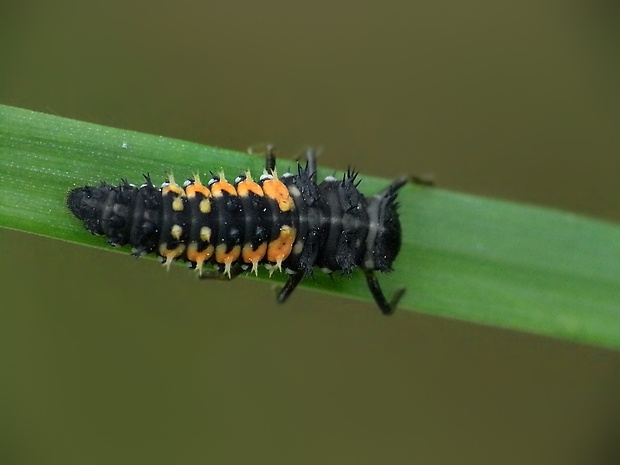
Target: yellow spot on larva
177, 204
205, 206
205, 234
176, 231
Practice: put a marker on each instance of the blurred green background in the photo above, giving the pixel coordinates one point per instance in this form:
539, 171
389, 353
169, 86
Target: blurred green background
105, 359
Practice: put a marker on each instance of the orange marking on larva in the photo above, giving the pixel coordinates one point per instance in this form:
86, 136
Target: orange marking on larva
221, 185
222, 256
276, 190
175, 189
248, 185
217, 188
281, 247
197, 187
227, 258
172, 187
254, 256
170, 254
199, 257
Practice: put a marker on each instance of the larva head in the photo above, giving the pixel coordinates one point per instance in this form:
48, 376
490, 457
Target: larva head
385, 233
83, 202
105, 209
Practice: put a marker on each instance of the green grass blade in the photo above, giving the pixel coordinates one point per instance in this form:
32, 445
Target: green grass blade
471, 258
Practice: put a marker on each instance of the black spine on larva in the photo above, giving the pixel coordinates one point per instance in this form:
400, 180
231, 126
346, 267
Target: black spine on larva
124, 213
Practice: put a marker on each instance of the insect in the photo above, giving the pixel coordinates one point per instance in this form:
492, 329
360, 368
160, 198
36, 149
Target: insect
287, 222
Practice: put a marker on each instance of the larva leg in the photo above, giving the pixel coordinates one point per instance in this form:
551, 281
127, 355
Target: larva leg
269, 151
373, 284
270, 159
290, 285
235, 271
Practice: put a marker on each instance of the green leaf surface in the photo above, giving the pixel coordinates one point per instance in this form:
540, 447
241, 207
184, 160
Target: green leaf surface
466, 257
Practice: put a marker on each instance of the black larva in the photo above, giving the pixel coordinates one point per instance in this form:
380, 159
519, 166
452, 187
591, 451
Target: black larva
289, 223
